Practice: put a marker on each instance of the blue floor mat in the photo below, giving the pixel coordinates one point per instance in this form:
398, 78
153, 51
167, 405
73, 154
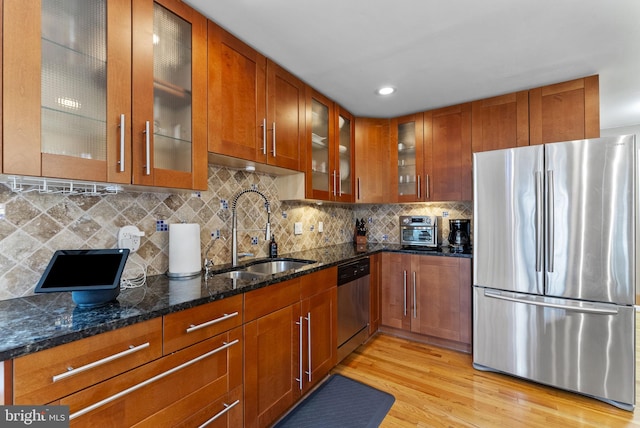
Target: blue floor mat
340, 402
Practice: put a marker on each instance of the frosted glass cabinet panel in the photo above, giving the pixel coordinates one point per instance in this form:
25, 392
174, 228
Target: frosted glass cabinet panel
344, 167
74, 78
169, 95
63, 62
171, 90
408, 149
320, 160
103, 90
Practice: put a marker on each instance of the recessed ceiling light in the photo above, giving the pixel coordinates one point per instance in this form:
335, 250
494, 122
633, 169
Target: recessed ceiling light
386, 90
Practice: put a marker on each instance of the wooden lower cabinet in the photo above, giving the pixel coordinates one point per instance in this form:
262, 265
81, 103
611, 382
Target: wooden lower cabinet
427, 298
166, 392
374, 292
272, 352
290, 343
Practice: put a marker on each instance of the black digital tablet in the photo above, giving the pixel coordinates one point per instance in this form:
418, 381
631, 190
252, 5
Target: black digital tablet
83, 270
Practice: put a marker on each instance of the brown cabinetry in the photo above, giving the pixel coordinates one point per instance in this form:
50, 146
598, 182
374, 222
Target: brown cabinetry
450, 154
256, 108
329, 149
290, 343
500, 122
565, 111
427, 298
49, 375
409, 169
123, 378
372, 160
374, 292
92, 106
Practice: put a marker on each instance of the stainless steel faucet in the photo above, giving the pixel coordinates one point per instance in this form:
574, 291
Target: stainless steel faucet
234, 222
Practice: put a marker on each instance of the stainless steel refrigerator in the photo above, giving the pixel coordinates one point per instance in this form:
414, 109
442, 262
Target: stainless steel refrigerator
554, 256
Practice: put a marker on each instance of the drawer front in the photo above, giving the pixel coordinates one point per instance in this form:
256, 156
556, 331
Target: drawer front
184, 328
318, 282
45, 376
263, 301
166, 391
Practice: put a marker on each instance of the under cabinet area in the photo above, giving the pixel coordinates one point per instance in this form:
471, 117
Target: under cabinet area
427, 298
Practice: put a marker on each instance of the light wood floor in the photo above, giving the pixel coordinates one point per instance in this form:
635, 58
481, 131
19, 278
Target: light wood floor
436, 387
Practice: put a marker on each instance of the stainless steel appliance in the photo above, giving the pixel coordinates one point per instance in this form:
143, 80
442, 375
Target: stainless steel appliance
420, 231
554, 257
353, 305
459, 235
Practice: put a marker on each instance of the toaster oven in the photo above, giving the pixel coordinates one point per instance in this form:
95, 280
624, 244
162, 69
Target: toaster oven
420, 231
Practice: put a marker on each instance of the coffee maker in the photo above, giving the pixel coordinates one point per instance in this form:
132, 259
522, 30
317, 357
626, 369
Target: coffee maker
460, 235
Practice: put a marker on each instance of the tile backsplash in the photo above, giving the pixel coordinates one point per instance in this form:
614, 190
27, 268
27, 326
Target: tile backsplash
36, 224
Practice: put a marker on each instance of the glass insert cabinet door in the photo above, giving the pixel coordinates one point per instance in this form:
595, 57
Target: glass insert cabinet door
169, 95
74, 78
60, 118
344, 191
320, 154
171, 90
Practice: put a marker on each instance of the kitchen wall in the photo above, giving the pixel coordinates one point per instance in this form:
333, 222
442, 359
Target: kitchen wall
36, 224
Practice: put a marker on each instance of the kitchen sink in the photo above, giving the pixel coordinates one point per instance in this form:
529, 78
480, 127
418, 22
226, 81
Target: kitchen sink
270, 267
243, 274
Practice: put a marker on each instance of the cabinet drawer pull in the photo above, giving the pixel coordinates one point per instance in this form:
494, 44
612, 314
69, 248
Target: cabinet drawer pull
151, 380
227, 407
147, 148
415, 300
71, 371
208, 323
264, 136
274, 139
427, 191
122, 133
300, 379
308, 318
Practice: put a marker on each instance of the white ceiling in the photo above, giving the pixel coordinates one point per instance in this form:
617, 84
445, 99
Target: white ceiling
443, 52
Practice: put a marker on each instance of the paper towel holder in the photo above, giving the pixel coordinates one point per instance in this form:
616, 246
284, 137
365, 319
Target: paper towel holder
186, 251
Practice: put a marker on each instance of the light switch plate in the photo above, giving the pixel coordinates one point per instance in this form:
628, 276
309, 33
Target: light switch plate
297, 228
320, 227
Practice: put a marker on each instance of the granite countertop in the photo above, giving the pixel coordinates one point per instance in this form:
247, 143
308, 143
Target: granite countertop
33, 323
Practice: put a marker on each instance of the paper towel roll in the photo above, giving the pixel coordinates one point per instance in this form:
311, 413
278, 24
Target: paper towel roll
184, 250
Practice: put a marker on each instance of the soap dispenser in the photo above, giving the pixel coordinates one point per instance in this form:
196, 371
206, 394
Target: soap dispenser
273, 247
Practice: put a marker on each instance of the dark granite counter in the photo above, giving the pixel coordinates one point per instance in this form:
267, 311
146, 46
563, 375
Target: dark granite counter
33, 323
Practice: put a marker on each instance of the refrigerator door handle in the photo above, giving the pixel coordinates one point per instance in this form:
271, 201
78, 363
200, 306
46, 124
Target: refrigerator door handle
592, 308
539, 220
550, 223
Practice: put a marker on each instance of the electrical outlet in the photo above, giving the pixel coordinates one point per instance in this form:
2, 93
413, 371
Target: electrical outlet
3, 211
129, 237
320, 227
297, 228
445, 214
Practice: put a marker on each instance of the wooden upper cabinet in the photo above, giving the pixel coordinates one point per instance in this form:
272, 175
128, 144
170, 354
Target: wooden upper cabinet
169, 95
372, 160
500, 122
237, 97
330, 146
84, 101
407, 158
65, 89
256, 108
451, 154
565, 111
285, 118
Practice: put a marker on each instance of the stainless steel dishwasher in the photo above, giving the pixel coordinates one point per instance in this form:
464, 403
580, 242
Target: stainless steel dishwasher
353, 305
